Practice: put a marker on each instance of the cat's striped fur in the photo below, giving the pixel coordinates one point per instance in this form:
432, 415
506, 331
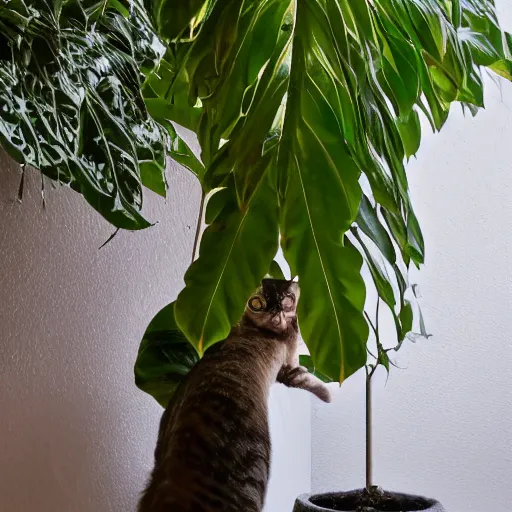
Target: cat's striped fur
213, 449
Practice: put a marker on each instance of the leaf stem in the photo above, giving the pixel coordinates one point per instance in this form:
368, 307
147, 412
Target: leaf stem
21, 186
198, 227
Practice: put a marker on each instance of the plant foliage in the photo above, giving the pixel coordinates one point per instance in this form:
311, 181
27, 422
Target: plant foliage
319, 103
70, 99
165, 357
306, 112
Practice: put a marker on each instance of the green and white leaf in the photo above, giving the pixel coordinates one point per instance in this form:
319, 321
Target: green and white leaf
71, 103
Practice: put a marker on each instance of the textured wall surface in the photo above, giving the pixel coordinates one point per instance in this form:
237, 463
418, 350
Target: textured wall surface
443, 424
76, 435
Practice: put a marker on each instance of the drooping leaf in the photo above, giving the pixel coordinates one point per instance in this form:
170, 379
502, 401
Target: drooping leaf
502, 67
385, 288
243, 233
235, 254
380, 278
407, 235
370, 225
410, 133
406, 319
332, 291
423, 331
71, 103
322, 197
383, 358
165, 357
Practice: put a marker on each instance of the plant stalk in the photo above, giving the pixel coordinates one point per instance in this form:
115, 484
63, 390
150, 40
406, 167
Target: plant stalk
369, 443
198, 227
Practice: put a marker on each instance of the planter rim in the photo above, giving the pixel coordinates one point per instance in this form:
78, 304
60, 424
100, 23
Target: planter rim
304, 500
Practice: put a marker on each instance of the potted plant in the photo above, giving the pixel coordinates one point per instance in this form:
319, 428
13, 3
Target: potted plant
371, 498
305, 112
402, 67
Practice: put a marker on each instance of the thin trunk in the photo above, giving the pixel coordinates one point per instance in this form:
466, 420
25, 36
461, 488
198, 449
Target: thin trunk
369, 458
370, 370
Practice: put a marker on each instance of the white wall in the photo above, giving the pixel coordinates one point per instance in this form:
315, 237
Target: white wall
443, 424
76, 435
290, 432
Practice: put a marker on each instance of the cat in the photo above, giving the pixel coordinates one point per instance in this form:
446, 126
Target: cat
213, 448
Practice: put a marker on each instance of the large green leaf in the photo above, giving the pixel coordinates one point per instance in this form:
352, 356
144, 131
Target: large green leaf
243, 217
235, 254
165, 357
332, 291
321, 199
71, 103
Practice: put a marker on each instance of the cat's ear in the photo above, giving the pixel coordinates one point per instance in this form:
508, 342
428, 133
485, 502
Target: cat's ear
294, 288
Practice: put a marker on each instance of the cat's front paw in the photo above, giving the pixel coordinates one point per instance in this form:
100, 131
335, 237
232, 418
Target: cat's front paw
323, 393
299, 377
291, 375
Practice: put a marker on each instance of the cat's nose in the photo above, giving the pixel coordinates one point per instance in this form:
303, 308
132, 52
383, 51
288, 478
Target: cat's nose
276, 319
279, 320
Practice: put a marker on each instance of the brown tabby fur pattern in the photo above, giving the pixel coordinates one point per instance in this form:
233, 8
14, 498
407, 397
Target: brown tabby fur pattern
213, 449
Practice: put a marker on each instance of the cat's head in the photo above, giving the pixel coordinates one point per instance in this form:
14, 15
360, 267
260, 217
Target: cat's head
274, 305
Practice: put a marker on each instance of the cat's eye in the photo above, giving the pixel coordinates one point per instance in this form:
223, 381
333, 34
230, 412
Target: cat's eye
257, 303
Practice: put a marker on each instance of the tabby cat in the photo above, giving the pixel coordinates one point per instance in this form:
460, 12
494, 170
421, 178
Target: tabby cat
213, 449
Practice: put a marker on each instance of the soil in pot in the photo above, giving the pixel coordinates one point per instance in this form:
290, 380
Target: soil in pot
363, 501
